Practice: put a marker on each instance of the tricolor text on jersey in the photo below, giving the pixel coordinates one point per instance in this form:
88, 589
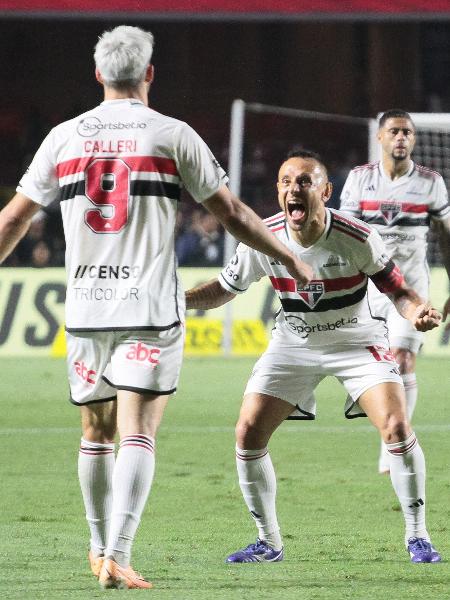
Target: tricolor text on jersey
105, 294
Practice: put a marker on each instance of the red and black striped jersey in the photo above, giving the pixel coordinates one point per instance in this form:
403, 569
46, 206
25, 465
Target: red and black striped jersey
333, 308
117, 171
401, 210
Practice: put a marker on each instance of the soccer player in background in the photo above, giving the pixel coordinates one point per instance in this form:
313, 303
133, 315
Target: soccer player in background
400, 198
117, 170
323, 328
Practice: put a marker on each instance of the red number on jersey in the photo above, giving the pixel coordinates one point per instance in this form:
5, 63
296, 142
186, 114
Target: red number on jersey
107, 186
380, 353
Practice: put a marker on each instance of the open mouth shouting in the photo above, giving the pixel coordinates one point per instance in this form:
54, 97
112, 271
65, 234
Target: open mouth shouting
296, 210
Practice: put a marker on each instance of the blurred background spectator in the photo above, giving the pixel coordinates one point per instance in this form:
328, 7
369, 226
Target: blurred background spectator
201, 243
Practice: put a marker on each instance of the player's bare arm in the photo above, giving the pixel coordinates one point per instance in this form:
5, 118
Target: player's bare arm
15, 220
208, 295
443, 230
245, 225
408, 303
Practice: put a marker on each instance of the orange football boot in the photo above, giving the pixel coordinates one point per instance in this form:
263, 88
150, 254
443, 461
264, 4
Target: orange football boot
96, 563
112, 575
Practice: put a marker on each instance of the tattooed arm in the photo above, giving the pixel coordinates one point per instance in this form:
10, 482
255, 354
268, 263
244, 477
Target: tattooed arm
208, 295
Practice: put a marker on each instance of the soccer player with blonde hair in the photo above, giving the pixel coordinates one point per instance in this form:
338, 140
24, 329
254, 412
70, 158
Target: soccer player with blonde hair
117, 171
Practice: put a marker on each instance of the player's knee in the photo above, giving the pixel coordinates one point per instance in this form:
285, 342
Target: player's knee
97, 437
99, 434
101, 431
242, 431
249, 435
406, 360
396, 429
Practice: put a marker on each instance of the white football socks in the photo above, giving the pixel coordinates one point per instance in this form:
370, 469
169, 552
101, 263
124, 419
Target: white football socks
410, 385
259, 487
132, 480
95, 471
407, 468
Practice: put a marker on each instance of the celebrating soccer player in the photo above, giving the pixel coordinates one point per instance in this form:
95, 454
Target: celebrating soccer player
400, 198
324, 328
117, 171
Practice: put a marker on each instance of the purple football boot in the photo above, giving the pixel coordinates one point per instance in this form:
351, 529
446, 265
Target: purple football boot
258, 552
422, 551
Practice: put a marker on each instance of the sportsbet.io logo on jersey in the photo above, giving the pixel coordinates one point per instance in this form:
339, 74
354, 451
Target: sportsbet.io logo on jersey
303, 329
91, 126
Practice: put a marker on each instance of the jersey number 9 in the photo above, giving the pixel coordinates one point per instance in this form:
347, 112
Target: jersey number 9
108, 187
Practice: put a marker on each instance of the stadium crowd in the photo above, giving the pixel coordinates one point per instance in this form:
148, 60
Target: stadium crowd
200, 238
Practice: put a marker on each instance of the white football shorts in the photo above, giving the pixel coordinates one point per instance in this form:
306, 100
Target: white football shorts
100, 363
292, 374
401, 332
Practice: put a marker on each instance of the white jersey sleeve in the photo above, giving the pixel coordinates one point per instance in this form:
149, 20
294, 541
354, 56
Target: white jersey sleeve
199, 170
351, 195
40, 182
439, 207
372, 256
243, 269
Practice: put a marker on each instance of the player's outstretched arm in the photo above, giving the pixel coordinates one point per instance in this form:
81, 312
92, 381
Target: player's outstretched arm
208, 295
15, 220
421, 314
245, 225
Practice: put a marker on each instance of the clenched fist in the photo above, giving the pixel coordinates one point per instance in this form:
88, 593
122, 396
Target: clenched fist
425, 317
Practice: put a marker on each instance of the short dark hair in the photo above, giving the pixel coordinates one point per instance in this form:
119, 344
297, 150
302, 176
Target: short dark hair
394, 113
304, 153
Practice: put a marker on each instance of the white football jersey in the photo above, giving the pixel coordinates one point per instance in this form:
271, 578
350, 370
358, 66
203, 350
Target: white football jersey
117, 171
333, 309
401, 211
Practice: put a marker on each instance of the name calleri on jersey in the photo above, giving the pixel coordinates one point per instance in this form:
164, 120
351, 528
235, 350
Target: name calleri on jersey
332, 309
117, 171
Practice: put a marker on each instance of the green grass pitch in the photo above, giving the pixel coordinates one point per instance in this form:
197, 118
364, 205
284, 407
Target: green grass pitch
342, 527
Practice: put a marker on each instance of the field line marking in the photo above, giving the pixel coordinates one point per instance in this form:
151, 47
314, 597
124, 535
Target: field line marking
298, 429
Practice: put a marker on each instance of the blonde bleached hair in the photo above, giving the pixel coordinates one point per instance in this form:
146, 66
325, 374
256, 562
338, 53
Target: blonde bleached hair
122, 56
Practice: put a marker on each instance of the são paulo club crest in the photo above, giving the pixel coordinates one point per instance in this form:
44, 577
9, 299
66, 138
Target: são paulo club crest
311, 293
390, 210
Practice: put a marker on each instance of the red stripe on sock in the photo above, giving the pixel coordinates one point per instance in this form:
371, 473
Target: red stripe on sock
247, 458
403, 449
139, 441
